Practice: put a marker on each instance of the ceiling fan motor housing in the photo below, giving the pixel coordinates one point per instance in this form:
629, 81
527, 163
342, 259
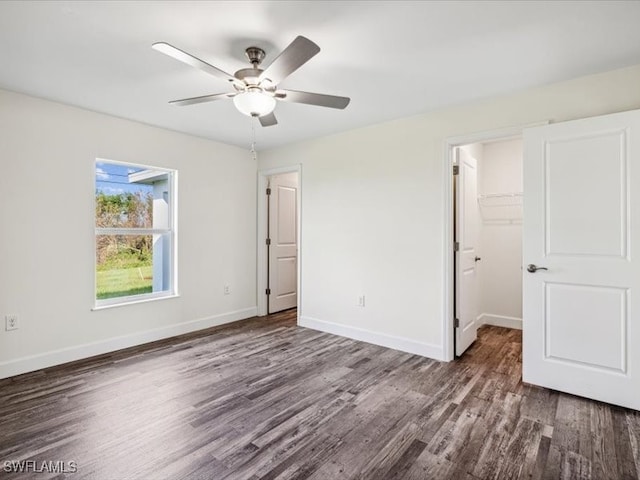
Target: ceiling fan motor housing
249, 75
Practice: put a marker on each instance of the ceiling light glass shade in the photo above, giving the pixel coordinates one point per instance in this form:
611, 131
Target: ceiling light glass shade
254, 103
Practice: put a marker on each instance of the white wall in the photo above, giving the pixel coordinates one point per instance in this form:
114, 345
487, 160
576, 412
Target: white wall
373, 211
47, 154
499, 272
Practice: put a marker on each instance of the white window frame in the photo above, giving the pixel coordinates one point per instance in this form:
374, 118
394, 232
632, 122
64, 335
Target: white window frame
172, 292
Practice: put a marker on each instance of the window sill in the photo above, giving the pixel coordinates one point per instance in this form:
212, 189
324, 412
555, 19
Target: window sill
133, 302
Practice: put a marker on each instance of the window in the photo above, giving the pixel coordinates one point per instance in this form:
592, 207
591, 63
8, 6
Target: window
135, 233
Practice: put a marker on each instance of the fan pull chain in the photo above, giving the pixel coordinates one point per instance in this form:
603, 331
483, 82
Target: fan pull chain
253, 140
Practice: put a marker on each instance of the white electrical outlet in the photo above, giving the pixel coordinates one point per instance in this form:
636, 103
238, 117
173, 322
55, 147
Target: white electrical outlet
11, 322
227, 289
361, 301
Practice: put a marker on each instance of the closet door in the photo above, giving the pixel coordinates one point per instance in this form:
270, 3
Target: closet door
467, 217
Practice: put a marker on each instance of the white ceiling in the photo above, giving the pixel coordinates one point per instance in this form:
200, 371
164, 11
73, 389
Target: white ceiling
393, 59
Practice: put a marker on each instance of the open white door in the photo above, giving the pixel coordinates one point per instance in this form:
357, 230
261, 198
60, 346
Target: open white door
467, 251
283, 250
581, 231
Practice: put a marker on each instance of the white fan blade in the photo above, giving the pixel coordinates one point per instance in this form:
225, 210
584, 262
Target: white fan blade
268, 120
189, 59
299, 52
204, 98
309, 98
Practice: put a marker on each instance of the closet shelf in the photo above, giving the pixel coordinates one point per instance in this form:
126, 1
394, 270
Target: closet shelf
500, 207
500, 199
500, 195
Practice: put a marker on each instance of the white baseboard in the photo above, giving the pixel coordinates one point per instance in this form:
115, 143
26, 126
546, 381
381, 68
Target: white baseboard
397, 343
500, 321
70, 354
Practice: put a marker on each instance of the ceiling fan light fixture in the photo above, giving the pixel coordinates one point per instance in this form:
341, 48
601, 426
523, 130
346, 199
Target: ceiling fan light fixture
254, 103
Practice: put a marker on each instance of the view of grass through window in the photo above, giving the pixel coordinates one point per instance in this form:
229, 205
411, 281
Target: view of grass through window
124, 262
126, 267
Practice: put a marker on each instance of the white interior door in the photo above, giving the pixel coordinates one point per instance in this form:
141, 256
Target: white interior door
581, 221
467, 217
283, 250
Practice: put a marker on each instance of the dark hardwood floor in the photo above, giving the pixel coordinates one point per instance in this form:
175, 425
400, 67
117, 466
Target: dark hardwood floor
265, 399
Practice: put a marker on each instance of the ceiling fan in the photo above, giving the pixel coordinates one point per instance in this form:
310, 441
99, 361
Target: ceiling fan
256, 90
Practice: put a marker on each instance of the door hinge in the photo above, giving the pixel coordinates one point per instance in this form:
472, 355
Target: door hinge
268, 291
456, 322
268, 242
456, 246
268, 191
456, 169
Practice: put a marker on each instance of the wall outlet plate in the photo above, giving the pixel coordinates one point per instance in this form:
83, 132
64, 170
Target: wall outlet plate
361, 301
227, 289
11, 322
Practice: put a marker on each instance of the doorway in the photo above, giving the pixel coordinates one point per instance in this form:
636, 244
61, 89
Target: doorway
487, 220
452, 144
279, 214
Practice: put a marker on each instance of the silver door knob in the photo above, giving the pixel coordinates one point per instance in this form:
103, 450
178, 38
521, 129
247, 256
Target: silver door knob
531, 268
